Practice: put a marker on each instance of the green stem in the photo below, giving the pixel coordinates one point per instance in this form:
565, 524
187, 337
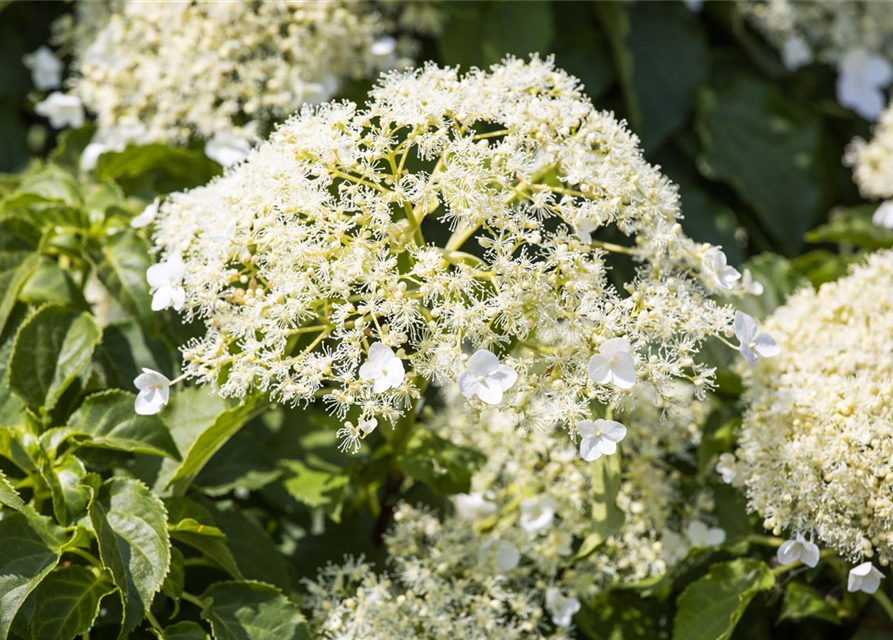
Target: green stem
86, 555
767, 541
188, 597
883, 600
154, 622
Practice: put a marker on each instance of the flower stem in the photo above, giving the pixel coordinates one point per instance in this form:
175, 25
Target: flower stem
884, 600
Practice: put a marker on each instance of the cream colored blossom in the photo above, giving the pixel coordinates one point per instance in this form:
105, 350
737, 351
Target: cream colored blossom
439, 221
872, 162
816, 446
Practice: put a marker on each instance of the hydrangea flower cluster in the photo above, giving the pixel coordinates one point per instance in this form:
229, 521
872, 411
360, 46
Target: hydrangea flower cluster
449, 232
504, 564
816, 446
853, 36
872, 164
169, 72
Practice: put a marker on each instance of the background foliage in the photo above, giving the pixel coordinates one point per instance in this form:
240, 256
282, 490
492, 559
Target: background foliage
223, 509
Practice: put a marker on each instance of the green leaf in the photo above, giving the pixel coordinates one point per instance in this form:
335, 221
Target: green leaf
770, 150
606, 516
252, 611
70, 496
131, 528
853, 226
194, 525
51, 349
175, 580
9, 497
243, 463
30, 550
67, 603
660, 51
121, 267
445, 467
12, 409
225, 426
156, 168
49, 283
710, 607
317, 483
112, 423
15, 268
802, 601
183, 631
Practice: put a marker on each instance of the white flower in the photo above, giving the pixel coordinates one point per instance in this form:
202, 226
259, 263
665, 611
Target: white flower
502, 555
147, 216
883, 215
798, 549
46, 69
728, 468
613, 364
753, 345
562, 609
750, 285
673, 547
795, 53
563, 542
62, 110
351, 435
166, 281
383, 53
599, 438
715, 266
865, 578
701, 536
862, 76
383, 367
584, 228
537, 513
227, 149
367, 426
154, 391
473, 506
486, 378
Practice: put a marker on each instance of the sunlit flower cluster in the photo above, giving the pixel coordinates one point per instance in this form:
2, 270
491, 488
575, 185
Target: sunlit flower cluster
872, 164
222, 72
854, 36
545, 495
816, 446
449, 232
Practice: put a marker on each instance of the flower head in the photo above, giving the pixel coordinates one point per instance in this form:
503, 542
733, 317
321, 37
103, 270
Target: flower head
701, 536
862, 78
613, 364
599, 438
154, 392
500, 555
473, 506
795, 53
383, 368
753, 345
486, 378
63, 110
537, 513
166, 282
800, 549
717, 270
561, 608
883, 215
727, 467
46, 69
864, 577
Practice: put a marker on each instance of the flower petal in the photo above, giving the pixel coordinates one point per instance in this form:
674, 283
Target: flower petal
765, 346
489, 391
467, 384
483, 363
599, 371
745, 327
589, 450
504, 376
614, 346
611, 429
624, 371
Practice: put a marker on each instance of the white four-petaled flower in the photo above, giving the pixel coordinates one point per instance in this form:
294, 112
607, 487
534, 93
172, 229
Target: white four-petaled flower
147, 216
383, 368
501, 555
753, 345
62, 110
166, 281
473, 506
701, 536
599, 438
727, 467
537, 513
486, 378
716, 267
46, 69
862, 77
154, 391
795, 53
865, 578
750, 285
798, 549
561, 608
613, 364
883, 215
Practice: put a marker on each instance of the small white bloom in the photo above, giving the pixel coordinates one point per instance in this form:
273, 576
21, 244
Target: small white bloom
166, 282
367, 426
563, 542
501, 555
147, 216
701, 536
599, 438
750, 285
865, 578
537, 513
727, 467
716, 267
862, 77
673, 547
383, 368
883, 215
486, 378
227, 149
584, 228
753, 345
800, 549
384, 53
46, 69
613, 364
62, 110
561, 608
90, 155
795, 53
351, 435
154, 392
473, 506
